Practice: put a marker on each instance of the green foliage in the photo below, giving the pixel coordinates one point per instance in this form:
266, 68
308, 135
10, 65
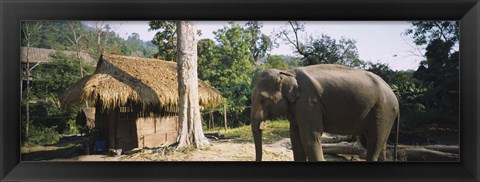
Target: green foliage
63, 35
104, 40
276, 62
381, 70
327, 50
59, 74
52, 80
424, 32
72, 127
321, 50
50, 38
440, 71
207, 59
32, 33
408, 90
417, 120
149, 49
429, 95
259, 43
227, 67
133, 46
40, 135
77, 36
410, 96
165, 39
235, 70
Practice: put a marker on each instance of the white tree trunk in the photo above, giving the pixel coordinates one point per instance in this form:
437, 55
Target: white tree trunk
190, 124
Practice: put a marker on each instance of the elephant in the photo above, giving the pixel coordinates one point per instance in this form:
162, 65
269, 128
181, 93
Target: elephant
325, 98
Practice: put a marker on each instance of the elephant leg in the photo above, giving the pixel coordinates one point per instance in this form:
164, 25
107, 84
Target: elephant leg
311, 129
383, 154
298, 152
376, 144
363, 140
373, 150
312, 145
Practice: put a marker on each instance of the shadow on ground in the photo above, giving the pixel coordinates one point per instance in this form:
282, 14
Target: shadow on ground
67, 147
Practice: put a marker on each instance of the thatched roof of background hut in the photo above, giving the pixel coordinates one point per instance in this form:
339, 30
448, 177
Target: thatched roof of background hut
121, 80
41, 55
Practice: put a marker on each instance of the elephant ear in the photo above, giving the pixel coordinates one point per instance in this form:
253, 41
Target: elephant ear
289, 86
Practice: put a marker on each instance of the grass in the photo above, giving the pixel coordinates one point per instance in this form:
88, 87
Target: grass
273, 131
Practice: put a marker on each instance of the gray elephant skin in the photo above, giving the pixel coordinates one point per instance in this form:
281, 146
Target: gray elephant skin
325, 98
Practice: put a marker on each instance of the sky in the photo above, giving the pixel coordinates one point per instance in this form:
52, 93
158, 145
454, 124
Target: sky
376, 41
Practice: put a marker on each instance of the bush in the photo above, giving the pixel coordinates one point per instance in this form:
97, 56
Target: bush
40, 135
414, 121
71, 127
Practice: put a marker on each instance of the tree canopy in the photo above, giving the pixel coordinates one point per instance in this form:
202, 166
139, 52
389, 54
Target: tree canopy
322, 49
259, 43
165, 39
440, 70
424, 32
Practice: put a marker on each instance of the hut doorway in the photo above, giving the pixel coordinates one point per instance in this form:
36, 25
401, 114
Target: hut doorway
126, 128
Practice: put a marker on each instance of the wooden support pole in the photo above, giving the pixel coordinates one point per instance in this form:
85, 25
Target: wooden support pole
225, 116
211, 125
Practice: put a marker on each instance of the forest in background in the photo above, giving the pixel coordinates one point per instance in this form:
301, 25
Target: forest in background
429, 96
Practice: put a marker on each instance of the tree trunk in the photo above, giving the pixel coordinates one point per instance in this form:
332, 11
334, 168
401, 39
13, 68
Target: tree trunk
99, 32
27, 96
29, 33
190, 124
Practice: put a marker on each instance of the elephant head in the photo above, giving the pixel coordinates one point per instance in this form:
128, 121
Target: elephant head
273, 92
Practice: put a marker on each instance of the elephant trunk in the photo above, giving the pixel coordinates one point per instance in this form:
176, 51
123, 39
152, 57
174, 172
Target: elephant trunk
257, 138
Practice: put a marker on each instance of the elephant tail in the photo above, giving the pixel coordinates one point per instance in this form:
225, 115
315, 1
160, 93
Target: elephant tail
395, 155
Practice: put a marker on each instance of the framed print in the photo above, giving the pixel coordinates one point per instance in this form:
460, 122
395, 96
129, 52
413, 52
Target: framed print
92, 88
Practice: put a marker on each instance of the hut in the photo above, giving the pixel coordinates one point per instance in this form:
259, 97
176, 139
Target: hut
35, 56
41, 55
135, 99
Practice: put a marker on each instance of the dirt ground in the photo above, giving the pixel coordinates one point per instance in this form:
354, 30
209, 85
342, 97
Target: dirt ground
220, 150
69, 149
216, 151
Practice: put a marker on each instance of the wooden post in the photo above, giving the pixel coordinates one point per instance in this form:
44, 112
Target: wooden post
211, 120
225, 116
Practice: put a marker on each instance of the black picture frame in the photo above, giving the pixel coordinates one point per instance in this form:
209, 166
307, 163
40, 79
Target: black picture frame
12, 12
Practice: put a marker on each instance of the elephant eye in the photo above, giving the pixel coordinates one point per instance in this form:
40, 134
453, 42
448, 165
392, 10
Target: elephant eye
264, 100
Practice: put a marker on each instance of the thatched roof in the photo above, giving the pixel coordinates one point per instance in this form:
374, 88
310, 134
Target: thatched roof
40, 55
149, 83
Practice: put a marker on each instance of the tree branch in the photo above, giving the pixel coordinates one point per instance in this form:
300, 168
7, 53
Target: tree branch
297, 44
